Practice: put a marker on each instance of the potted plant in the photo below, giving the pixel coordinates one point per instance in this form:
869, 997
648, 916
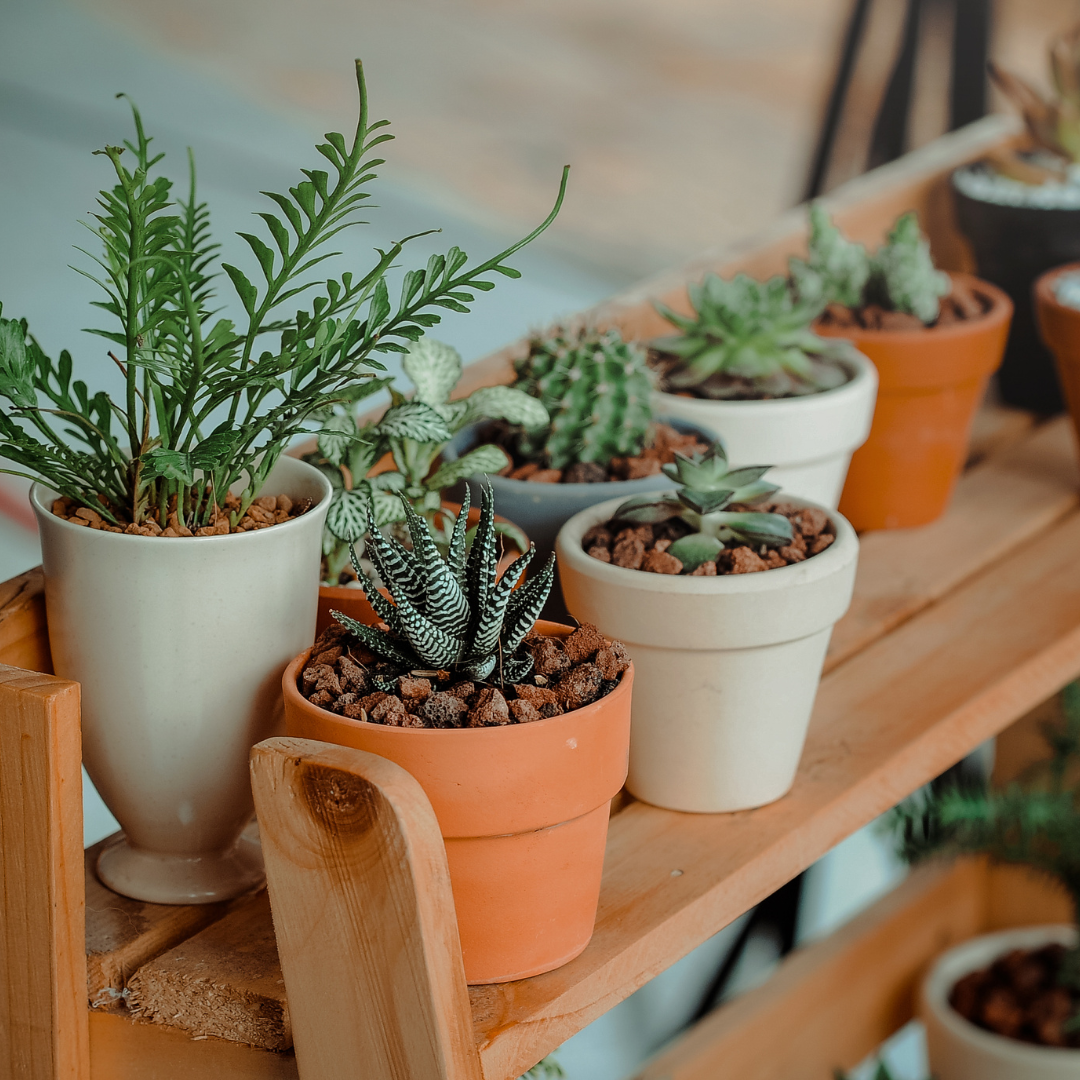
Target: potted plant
935, 339
517, 730
400, 454
601, 439
726, 601
748, 365
1018, 208
1007, 1004
1057, 305
176, 590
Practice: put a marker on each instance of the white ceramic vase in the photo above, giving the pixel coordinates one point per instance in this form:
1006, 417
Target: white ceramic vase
808, 440
727, 667
959, 1050
179, 645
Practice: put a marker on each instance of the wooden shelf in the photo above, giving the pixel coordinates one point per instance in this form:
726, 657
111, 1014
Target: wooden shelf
955, 631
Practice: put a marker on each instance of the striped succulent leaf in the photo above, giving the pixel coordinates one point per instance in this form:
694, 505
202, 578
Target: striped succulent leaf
454, 614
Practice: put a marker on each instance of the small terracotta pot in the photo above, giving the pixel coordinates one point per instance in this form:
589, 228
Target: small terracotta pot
931, 383
523, 810
343, 597
1059, 326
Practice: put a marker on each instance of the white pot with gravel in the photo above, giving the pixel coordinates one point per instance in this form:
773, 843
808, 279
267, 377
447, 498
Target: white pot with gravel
727, 664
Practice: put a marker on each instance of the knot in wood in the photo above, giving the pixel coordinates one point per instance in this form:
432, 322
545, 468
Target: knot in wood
341, 801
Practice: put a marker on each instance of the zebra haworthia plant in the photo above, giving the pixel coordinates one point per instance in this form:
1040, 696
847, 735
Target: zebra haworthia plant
708, 486
451, 614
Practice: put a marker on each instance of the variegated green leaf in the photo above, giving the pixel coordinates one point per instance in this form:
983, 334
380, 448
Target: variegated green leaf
478, 462
434, 369
505, 403
414, 420
347, 516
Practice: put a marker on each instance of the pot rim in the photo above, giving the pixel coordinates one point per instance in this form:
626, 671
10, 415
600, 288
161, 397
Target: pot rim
865, 379
936, 987
44, 511
674, 421
843, 550
1000, 310
289, 683
1044, 287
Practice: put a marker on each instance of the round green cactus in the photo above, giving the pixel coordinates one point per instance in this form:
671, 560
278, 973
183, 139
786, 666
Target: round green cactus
595, 387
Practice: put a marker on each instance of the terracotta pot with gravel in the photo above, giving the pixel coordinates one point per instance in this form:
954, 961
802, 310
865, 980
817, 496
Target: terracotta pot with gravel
725, 595
517, 731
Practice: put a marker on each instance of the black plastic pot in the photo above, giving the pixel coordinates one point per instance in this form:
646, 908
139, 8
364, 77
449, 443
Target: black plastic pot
1013, 245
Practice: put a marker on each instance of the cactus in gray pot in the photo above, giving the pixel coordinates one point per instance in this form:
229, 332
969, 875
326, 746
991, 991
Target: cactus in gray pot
595, 387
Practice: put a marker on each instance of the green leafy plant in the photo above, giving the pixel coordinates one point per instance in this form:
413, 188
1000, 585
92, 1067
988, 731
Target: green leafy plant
451, 614
708, 486
1053, 121
900, 276
753, 332
208, 404
545, 1069
1036, 823
414, 431
595, 387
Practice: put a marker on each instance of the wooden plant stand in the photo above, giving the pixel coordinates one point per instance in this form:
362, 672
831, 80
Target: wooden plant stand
956, 630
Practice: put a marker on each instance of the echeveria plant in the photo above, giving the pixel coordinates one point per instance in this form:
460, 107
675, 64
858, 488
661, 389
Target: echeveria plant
754, 331
207, 403
413, 431
708, 487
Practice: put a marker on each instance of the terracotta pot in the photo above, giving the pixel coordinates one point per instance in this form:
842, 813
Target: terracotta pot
808, 440
1059, 326
179, 645
960, 1050
727, 667
524, 813
343, 597
931, 383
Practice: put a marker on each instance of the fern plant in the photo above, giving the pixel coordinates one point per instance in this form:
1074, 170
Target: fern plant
707, 488
753, 331
1036, 824
900, 275
207, 403
596, 388
414, 431
450, 614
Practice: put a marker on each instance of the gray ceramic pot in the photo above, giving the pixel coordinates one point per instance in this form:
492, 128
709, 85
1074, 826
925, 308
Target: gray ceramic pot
541, 510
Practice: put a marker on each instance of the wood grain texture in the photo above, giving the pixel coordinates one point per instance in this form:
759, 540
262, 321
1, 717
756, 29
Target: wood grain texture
886, 721
356, 870
123, 934
124, 1049
24, 635
225, 981
837, 1000
43, 1028
1011, 498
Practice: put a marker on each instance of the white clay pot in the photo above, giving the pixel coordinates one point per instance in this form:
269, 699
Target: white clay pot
808, 440
179, 645
960, 1050
726, 667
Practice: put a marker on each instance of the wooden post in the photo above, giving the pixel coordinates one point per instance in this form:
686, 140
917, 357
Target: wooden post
43, 1013
364, 916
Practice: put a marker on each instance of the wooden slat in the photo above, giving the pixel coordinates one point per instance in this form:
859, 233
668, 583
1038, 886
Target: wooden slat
1011, 498
24, 636
886, 721
834, 1002
356, 871
123, 1049
123, 934
225, 981
43, 1028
